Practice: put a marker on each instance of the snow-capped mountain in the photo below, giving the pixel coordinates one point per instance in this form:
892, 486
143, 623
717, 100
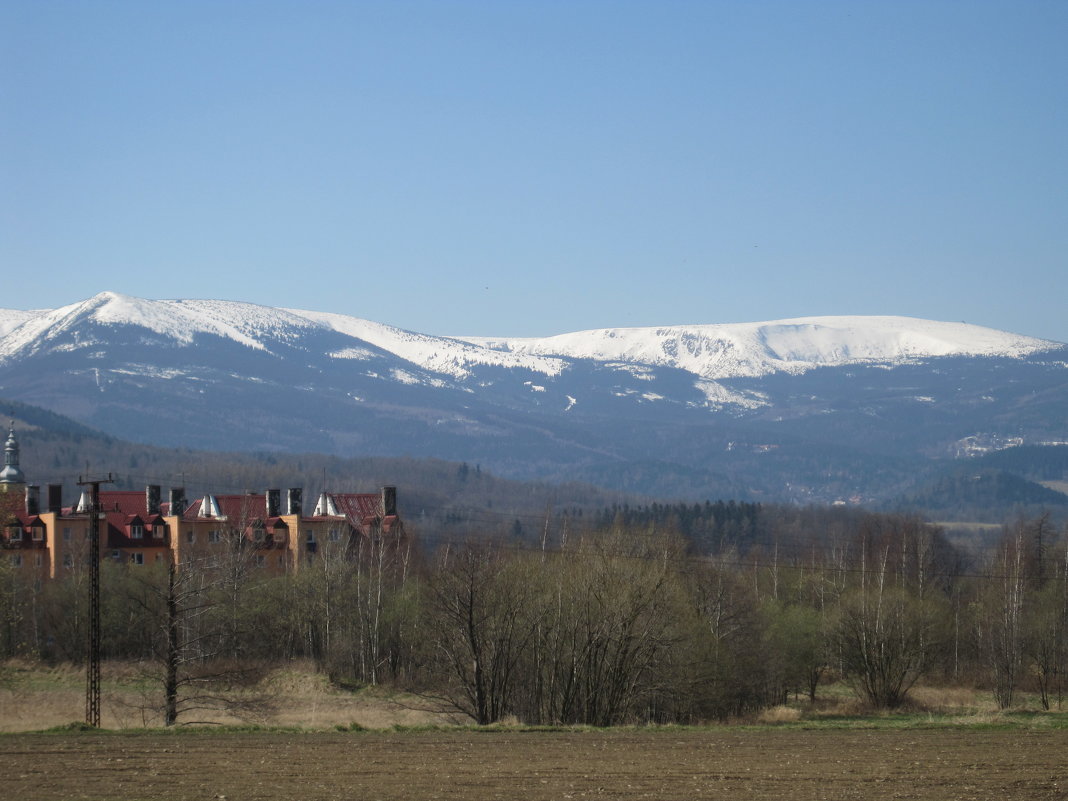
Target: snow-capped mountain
708, 351
786, 346
697, 400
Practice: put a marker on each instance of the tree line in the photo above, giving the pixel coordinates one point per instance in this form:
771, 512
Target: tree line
621, 619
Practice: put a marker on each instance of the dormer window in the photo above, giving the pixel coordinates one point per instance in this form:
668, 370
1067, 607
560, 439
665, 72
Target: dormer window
37, 533
14, 533
137, 531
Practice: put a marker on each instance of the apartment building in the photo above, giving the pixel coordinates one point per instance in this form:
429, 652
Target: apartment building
265, 530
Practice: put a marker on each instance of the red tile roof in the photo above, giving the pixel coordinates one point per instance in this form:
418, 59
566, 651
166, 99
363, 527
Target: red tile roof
357, 507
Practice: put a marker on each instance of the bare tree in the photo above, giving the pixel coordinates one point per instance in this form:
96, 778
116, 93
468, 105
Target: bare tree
191, 651
882, 635
480, 624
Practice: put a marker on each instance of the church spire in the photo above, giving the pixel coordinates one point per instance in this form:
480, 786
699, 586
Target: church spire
11, 474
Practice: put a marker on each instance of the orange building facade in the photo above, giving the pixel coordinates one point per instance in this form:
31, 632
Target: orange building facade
44, 540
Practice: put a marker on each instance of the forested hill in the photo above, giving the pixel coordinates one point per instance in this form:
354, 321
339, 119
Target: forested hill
438, 498
451, 500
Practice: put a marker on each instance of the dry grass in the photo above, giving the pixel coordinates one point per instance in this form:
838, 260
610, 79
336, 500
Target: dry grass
780, 714
950, 700
35, 697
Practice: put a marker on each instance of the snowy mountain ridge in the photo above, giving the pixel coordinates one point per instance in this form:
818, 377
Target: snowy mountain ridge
809, 409
713, 351
732, 350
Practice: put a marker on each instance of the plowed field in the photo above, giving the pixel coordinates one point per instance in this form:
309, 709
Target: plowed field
626, 764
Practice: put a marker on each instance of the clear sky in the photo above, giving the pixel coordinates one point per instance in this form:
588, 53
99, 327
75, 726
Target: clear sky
529, 168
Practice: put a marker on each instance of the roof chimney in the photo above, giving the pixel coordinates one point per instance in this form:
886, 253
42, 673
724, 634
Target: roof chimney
152, 499
295, 501
389, 501
274, 501
33, 499
55, 498
177, 497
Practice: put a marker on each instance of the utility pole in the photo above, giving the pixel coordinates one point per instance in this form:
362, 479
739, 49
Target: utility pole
92, 674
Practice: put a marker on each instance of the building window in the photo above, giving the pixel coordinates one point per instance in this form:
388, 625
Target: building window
261, 560
190, 537
16, 560
137, 531
15, 534
38, 534
335, 535
258, 535
67, 534
309, 536
280, 535
159, 558
213, 535
68, 560
116, 555
38, 560
137, 558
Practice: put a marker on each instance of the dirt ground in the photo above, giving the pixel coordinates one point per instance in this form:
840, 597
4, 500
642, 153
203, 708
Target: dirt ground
620, 764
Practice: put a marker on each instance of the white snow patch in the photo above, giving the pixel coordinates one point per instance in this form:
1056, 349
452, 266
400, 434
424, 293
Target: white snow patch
717, 396
361, 354
639, 371
404, 377
148, 371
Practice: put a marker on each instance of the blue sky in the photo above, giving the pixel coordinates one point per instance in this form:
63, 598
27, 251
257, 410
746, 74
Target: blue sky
529, 168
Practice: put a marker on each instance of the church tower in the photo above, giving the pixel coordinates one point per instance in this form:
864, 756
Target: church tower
12, 480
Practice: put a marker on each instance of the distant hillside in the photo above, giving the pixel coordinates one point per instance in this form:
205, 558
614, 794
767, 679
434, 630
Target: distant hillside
980, 493
1036, 462
438, 498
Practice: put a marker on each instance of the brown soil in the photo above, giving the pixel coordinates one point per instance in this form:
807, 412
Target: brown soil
624, 764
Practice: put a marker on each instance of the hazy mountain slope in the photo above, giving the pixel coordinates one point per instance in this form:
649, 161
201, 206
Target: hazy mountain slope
818, 409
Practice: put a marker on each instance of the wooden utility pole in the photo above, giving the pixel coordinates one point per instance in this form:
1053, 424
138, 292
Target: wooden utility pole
92, 674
